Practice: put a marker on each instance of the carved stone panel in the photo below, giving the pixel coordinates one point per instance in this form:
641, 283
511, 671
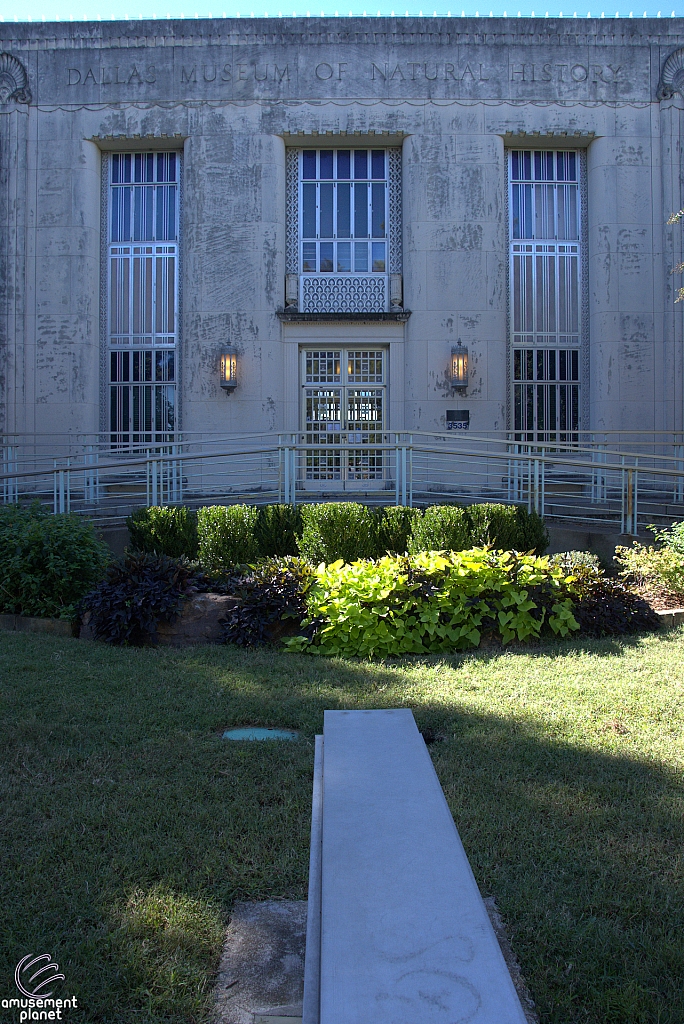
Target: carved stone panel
13, 80
672, 76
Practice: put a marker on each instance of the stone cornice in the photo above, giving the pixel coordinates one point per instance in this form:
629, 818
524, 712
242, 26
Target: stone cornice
415, 32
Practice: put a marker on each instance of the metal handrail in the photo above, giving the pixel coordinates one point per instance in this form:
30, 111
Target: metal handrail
577, 484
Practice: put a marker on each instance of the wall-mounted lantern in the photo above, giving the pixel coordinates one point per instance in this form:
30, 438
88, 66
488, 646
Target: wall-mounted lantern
459, 367
229, 379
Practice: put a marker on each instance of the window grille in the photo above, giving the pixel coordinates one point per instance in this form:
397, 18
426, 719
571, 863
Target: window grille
142, 324
344, 404
346, 246
545, 283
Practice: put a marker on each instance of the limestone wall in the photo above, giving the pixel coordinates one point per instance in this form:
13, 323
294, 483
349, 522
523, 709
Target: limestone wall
231, 95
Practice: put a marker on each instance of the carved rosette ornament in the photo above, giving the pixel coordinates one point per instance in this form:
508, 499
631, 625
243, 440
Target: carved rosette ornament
672, 76
13, 80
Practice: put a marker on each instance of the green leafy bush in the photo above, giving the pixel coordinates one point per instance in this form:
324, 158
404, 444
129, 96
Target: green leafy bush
338, 529
140, 591
164, 530
47, 562
507, 528
672, 538
227, 536
605, 606
395, 526
647, 566
575, 560
441, 528
434, 602
277, 530
275, 590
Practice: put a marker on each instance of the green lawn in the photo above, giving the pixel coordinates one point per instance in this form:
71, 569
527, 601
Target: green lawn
129, 826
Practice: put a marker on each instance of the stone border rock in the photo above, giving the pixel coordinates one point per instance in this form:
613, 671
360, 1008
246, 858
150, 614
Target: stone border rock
671, 617
29, 624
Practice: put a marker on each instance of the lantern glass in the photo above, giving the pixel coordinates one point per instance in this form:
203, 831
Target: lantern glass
229, 369
459, 366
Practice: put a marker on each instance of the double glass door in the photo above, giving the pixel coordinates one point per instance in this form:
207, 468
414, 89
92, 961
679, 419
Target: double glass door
343, 413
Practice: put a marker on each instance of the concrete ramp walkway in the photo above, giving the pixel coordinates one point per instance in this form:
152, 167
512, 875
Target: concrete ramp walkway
397, 931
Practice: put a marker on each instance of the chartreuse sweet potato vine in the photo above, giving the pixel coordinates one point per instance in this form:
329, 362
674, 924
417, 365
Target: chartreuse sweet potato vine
434, 601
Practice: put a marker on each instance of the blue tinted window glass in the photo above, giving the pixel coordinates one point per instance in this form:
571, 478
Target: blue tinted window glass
378, 257
360, 211
116, 214
361, 257
360, 164
309, 163
326, 257
343, 210
326, 160
343, 257
138, 168
378, 163
326, 201
343, 163
572, 167
116, 168
515, 161
308, 211
378, 210
309, 258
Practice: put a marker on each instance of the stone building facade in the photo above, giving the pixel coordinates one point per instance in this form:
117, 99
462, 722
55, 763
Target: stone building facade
331, 206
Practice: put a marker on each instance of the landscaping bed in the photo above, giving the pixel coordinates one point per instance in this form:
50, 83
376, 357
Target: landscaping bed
131, 827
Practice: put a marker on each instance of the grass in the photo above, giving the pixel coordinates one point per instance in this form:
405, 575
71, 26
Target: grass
129, 827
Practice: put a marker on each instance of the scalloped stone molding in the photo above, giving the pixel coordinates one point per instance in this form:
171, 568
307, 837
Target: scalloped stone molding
13, 80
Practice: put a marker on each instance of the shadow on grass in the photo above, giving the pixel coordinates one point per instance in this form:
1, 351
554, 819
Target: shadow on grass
132, 827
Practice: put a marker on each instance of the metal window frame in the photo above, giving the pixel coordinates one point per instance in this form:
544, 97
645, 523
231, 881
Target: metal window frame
105, 246
583, 284
352, 239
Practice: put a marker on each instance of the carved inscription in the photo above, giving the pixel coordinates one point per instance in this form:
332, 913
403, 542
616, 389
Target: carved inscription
117, 74
429, 71
564, 73
234, 73
384, 72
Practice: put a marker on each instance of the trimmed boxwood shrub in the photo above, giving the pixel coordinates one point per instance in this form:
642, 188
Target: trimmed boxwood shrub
395, 525
277, 530
338, 529
227, 536
507, 527
433, 602
47, 562
441, 528
164, 530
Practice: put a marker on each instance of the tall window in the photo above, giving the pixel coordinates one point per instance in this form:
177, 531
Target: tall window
343, 211
344, 404
545, 221
143, 224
